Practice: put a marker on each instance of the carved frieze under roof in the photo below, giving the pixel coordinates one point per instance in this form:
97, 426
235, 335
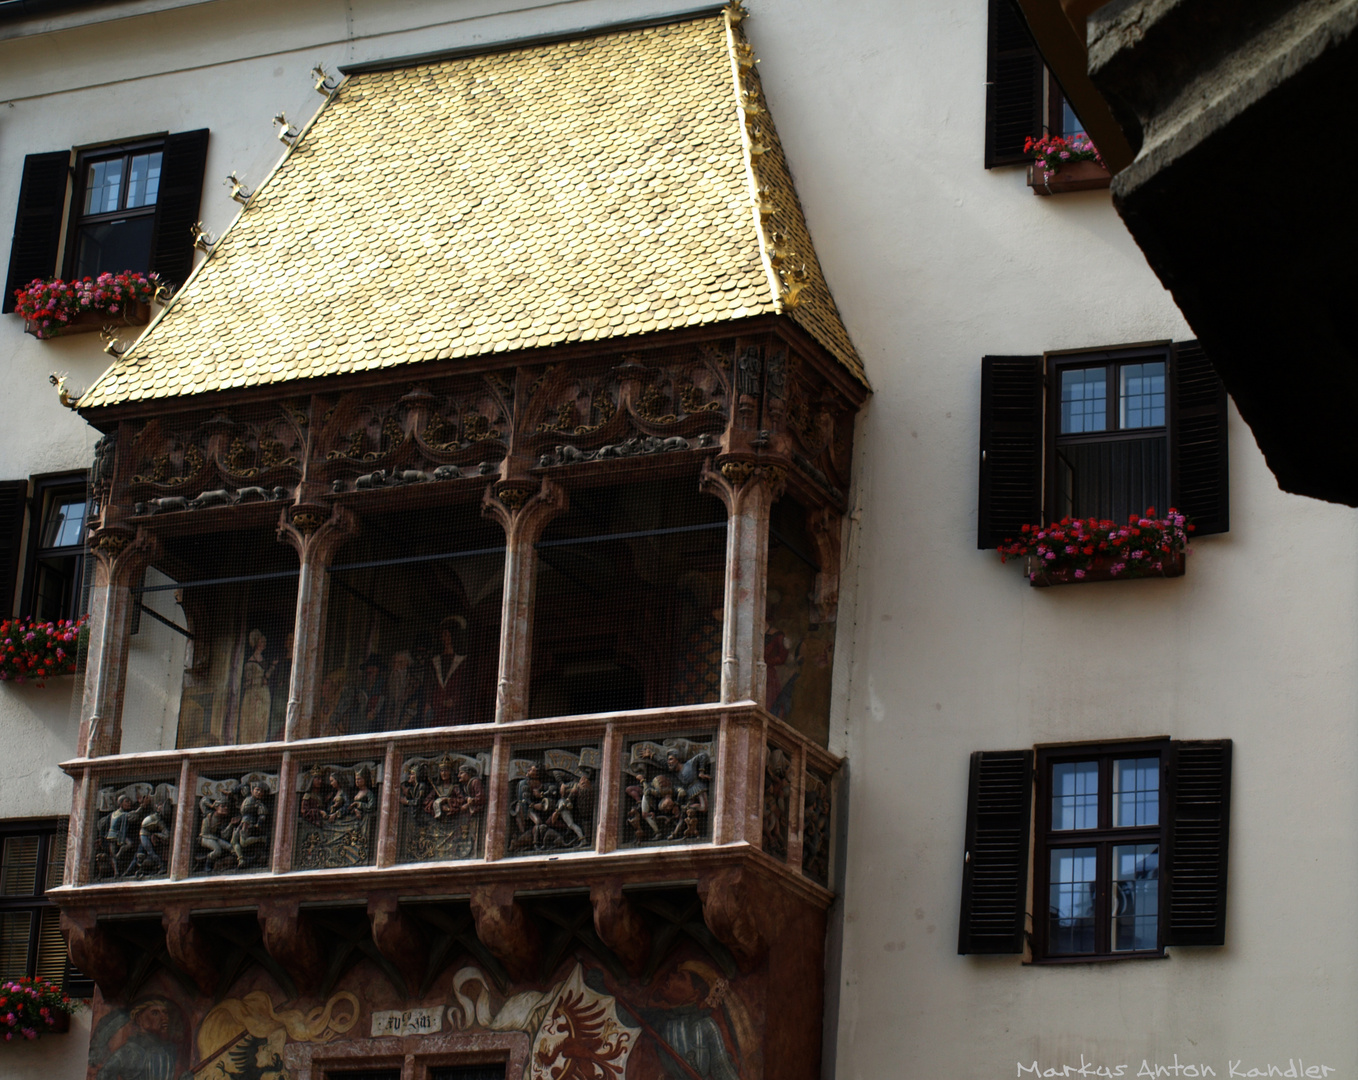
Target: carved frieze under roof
748, 400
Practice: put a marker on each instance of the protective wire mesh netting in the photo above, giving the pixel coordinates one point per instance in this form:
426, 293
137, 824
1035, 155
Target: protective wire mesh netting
413, 626
798, 644
629, 599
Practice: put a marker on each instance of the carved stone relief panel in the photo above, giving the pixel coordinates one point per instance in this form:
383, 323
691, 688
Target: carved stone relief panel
777, 795
816, 828
234, 823
443, 807
133, 830
553, 799
668, 790
337, 815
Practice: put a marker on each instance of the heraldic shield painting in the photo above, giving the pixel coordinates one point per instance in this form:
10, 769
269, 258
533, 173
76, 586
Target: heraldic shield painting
584, 1022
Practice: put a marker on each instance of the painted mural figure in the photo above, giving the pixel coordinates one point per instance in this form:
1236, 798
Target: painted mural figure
362, 702
280, 685
255, 696
692, 1034
448, 668
139, 1044
403, 693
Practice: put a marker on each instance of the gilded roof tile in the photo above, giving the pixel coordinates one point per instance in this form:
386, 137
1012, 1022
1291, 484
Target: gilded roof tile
576, 191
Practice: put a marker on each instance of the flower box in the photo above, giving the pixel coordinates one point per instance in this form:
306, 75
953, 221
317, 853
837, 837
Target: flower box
1072, 176
1076, 550
33, 652
1101, 570
55, 307
89, 322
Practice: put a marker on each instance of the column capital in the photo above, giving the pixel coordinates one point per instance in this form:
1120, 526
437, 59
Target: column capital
315, 530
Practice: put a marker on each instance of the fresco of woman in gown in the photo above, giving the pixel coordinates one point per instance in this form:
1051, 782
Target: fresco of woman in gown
255, 697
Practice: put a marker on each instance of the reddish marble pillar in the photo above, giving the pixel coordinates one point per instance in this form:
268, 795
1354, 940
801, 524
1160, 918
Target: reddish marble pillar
749, 491
523, 508
315, 538
119, 559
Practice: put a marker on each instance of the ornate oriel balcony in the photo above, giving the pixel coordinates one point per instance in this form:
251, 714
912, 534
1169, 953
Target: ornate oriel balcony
424, 632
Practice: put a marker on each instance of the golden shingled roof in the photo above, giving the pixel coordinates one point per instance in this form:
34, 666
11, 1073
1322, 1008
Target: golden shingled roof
576, 191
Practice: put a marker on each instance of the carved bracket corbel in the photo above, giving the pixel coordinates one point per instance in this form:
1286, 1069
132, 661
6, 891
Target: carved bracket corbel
292, 941
94, 951
506, 930
398, 939
620, 926
742, 911
190, 948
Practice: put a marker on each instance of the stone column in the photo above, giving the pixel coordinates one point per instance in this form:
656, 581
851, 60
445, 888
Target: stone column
119, 559
749, 490
315, 538
523, 508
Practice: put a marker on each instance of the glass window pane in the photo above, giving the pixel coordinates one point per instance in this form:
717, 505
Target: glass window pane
65, 524
14, 930
1070, 123
1070, 927
1136, 896
143, 180
114, 246
1143, 395
103, 184
1075, 795
19, 866
1136, 792
1084, 400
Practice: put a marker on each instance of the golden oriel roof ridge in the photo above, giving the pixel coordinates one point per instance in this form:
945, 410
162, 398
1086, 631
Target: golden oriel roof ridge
583, 190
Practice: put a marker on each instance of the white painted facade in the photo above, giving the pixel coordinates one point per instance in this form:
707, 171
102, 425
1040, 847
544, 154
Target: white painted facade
934, 262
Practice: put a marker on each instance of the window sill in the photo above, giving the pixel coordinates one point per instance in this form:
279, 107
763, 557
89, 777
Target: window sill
90, 322
1075, 176
1100, 571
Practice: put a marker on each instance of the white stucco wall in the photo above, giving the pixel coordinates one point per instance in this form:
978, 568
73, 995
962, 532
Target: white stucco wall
934, 263
942, 651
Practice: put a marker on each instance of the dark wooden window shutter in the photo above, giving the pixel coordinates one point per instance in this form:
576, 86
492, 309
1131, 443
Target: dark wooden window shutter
1011, 447
1198, 828
1199, 456
181, 190
995, 866
37, 225
13, 499
1013, 98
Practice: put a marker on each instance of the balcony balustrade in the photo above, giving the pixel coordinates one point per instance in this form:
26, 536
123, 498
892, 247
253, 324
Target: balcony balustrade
658, 795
